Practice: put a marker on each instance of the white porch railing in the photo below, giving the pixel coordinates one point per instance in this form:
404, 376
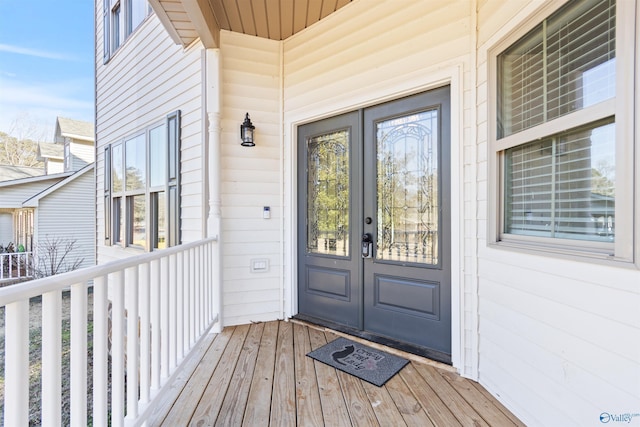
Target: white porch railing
16, 265
162, 304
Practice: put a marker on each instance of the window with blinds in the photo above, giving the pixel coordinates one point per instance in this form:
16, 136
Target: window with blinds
561, 185
564, 64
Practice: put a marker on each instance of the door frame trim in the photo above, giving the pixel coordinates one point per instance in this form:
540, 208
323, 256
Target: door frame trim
425, 80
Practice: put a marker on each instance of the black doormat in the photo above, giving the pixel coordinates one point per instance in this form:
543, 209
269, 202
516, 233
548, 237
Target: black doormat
364, 362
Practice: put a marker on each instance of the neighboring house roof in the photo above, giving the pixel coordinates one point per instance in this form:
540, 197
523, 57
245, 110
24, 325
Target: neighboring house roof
50, 150
10, 172
33, 201
75, 129
34, 179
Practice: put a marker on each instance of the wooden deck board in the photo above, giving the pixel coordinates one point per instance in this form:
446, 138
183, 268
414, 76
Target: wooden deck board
409, 407
209, 406
259, 375
262, 382
383, 406
308, 406
480, 403
438, 412
497, 404
235, 400
334, 409
182, 410
283, 402
460, 408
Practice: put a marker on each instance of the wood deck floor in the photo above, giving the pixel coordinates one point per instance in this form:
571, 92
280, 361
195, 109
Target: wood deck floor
259, 375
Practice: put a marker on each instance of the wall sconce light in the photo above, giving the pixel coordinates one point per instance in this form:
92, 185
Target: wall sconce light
246, 132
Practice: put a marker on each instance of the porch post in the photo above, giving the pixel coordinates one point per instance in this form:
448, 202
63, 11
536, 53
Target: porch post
213, 96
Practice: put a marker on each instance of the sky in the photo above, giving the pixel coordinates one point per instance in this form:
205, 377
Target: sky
46, 64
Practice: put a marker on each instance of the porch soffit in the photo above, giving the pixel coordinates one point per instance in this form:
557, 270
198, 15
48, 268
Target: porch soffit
186, 20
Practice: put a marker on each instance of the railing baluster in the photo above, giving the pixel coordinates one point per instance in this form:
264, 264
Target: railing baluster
208, 281
172, 311
187, 301
117, 350
164, 319
155, 324
16, 364
78, 354
180, 312
194, 299
212, 278
100, 351
131, 365
51, 360
145, 349
198, 268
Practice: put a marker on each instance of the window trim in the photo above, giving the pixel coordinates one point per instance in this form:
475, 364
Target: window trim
123, 218
115, 34
622, 107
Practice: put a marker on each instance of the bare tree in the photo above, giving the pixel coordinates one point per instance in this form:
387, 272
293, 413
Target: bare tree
26, 127
54, 256
18, 152
19, 146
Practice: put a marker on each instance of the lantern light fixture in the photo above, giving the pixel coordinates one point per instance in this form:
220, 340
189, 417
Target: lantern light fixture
246, 132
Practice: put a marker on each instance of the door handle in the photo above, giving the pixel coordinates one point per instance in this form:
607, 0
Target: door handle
367, 245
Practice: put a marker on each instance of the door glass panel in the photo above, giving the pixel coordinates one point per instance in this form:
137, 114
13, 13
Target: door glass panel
407, 174
328, 194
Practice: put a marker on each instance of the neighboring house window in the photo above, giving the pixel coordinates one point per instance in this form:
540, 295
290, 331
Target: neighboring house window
67, 157
558, 131
142, 200
120, 19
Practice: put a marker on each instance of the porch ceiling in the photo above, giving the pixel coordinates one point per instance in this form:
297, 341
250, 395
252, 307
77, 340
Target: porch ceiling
186, 20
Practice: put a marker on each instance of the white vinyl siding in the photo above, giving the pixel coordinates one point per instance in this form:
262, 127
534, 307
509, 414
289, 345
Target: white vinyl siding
558, 338
147, 79
82, 153
12, 196
52, 166
365, 48
69, 214
250, 178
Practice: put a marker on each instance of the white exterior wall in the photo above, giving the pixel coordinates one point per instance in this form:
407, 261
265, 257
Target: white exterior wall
559, 340
68, 213
251, 179
52, 166
82, 153
147, 78
367, 53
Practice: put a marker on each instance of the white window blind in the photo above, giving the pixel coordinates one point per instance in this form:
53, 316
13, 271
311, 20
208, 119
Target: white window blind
564, 64
563, 186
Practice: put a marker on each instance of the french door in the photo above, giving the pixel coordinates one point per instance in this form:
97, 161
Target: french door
374, 228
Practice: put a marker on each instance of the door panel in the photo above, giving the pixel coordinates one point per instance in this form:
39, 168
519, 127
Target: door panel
407, 291
381, 173
328, 255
